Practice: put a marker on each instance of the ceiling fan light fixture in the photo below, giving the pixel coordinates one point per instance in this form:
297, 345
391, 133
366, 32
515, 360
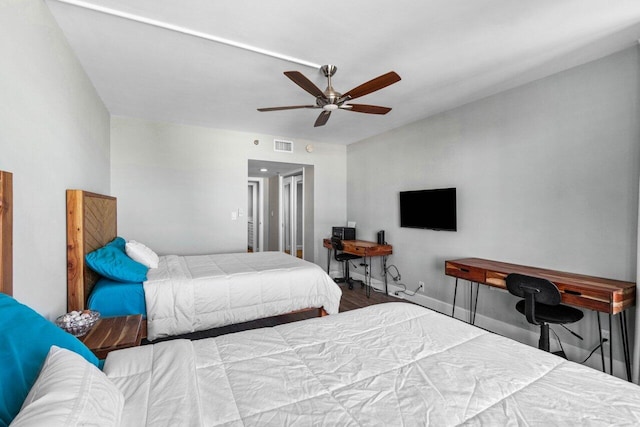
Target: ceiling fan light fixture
330, 107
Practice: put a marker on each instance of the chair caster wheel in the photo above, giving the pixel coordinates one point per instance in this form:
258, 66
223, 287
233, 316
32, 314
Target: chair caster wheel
351, 286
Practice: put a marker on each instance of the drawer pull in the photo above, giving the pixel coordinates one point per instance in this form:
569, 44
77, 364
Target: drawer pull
568, 291
464, 270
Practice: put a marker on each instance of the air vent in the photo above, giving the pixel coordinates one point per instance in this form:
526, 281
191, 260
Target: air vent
282, 146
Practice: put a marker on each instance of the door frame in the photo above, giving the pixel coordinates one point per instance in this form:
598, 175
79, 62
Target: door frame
258, 212
292, 200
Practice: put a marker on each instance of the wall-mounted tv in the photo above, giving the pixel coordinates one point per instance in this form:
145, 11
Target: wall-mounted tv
430, 209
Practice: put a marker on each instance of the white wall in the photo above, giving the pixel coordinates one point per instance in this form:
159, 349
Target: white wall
547, 175
177, 185
54, 135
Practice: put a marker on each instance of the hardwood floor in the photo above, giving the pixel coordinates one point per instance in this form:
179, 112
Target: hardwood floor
351, 299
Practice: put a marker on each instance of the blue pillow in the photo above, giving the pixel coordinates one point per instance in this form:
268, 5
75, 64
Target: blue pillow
111, 262
119, 243
25, 341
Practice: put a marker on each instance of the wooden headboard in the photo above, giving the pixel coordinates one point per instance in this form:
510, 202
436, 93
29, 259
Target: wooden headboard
6, 233
91, 224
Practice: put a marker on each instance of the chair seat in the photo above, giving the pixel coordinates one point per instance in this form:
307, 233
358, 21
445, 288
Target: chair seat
553, 313
345, 257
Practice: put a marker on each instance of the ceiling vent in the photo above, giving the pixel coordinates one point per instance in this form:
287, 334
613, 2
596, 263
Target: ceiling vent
283, 146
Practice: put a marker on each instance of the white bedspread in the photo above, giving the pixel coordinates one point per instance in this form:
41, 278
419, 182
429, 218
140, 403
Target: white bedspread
194, 293
385, 365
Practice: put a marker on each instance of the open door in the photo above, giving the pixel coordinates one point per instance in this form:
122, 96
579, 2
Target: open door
292, 236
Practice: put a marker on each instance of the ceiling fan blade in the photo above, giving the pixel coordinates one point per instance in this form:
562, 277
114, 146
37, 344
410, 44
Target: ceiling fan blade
298, 78
290, 107
372, 85
362, 108
322, 118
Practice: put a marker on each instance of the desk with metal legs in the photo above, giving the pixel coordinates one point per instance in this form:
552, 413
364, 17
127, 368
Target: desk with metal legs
366, 250
593, 293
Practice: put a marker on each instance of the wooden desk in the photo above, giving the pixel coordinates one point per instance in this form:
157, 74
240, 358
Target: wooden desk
365, 249
593, 293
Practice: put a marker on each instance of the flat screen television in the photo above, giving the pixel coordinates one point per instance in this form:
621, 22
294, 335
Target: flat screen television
429, 209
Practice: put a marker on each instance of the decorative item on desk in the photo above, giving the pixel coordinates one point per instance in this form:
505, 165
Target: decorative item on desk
78, 323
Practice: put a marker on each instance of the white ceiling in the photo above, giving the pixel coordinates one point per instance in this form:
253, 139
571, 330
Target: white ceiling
448, 53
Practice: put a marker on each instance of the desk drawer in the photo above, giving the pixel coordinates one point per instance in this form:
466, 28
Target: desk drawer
461, 271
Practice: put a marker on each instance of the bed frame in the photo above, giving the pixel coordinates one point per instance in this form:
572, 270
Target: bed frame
91, 224
6, 233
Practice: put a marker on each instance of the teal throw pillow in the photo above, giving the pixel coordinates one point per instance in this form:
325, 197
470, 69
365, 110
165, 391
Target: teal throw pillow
25, 340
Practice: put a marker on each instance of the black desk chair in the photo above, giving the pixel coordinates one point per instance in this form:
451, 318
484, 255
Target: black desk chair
344, 258
541, 305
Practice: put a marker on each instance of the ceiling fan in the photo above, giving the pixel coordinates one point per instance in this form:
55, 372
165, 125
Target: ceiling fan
330, 100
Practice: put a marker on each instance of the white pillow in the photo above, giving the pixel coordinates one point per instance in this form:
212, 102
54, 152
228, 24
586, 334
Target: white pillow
70, 391
142, 254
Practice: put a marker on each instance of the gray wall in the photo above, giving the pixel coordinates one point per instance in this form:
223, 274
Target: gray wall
547, 175
177, 185
54, 135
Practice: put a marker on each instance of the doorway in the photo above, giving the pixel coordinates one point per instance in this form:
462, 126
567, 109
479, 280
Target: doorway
254, 217
297, 229
292, 194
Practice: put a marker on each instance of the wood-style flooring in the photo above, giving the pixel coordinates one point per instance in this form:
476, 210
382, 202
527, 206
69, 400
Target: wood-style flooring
351, 299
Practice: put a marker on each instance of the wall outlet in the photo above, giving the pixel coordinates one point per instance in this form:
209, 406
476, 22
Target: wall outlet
420, 285
606, 335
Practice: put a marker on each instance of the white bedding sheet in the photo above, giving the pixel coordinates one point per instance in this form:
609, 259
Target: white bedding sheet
194, 293
389, 364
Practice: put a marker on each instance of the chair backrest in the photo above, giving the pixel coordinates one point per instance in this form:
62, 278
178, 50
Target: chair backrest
336, 243
533, 290
544, 291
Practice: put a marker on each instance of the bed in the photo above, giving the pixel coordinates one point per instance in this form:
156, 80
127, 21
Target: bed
190, 293
387, 364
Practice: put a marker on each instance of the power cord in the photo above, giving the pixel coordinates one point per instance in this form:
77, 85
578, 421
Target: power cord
572, 333
404, 291
394, 278
604, 340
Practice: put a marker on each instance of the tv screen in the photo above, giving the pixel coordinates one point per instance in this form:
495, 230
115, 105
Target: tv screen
430, 209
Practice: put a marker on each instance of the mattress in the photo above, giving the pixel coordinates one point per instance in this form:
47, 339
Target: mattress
388, 364
194, 293
111, 298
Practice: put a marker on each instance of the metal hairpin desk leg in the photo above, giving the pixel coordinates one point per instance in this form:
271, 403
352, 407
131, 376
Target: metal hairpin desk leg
455, 293
610, 347
384, 270
604, 368
367, 277
624, 334
473, 305
624, 338
472, 319
328, 260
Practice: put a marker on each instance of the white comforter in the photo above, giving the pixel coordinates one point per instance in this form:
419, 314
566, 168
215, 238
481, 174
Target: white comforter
390, 364
194, 293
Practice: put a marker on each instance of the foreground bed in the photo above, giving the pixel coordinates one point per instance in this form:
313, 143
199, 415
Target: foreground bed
186, 294
389, 364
